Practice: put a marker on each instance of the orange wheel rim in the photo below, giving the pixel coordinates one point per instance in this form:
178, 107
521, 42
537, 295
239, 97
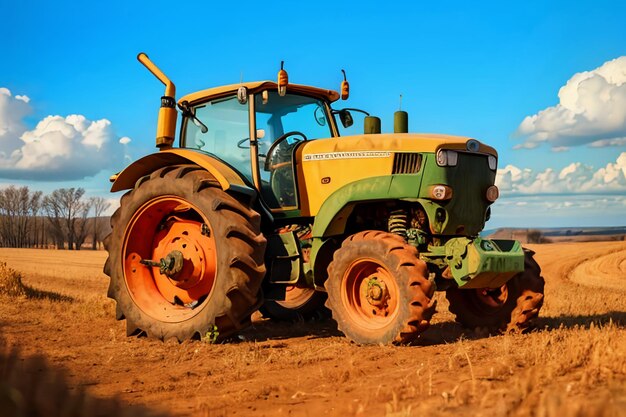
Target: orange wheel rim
370, 294
159, 228
296, 297
490, 300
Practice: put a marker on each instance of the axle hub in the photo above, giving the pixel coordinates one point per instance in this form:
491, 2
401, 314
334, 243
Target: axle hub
171, 265
377, 293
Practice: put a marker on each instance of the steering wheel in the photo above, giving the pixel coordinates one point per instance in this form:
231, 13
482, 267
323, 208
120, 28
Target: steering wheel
278, 141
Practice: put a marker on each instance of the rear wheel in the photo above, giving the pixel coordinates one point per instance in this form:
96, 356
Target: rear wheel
511, 307
378, 289
299, 304
185, 257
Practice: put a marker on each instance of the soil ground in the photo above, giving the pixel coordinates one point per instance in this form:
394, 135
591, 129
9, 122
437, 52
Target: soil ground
574, 362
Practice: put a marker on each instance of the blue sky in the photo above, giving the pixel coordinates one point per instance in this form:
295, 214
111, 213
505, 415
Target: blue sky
462, 69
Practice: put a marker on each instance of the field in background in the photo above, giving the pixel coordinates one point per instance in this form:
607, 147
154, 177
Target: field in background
574, 362
558, 234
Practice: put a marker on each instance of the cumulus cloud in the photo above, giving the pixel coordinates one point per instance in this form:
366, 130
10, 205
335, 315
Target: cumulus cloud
591, 111
58, 148
13, 109
574, 178
608, 142
559, 210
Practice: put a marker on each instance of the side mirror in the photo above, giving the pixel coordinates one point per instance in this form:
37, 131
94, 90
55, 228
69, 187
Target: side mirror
346, 118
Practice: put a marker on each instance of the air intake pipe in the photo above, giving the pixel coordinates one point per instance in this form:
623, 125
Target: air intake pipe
400, 122
371, 125
166, 124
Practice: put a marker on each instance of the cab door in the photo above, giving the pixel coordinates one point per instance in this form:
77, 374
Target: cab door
282, 124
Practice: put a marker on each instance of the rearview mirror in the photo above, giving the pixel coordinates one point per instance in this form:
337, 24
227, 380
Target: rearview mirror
346, 118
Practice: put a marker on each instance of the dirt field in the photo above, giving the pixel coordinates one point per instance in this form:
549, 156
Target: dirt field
575, 362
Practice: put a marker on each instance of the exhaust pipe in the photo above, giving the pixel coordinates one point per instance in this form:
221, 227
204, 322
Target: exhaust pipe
400, 122
166, 125
371, 125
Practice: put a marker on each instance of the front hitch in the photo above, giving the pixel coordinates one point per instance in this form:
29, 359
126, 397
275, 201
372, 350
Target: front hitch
479, 263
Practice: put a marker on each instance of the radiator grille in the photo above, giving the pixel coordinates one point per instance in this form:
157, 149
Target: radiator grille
406, 163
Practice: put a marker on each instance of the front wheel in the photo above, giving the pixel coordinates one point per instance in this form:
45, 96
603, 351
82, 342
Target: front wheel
509, 308
185, 257
378, 289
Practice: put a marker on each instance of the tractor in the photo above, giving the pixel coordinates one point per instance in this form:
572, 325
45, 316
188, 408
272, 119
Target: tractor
264, 206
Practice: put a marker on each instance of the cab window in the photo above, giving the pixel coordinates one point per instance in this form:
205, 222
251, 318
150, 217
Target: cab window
279, 115
298, 117
228, 133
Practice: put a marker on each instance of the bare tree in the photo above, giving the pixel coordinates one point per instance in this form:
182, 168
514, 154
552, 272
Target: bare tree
34, 207
100, 205
81, 227
18, 206
52, 208
63, 208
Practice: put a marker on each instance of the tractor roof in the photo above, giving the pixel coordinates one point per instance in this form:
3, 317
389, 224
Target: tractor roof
255, 86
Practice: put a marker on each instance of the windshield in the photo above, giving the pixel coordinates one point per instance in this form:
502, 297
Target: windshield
227, 123
278, 115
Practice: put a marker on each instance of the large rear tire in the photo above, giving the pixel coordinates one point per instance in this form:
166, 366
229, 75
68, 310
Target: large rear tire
378, 289
510, 308
215, 286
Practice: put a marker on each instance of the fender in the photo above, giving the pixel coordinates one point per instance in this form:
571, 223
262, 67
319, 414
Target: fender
228, 178
333, 214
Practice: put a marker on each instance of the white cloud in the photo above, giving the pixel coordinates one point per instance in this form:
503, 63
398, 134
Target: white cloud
591, 110
608, 142
58, 148
560, 149
12, 112
557, 211
575, 178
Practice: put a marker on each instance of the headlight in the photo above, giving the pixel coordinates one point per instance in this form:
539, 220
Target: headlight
473, 145
440, 192
447, 158
493, 162
492, 193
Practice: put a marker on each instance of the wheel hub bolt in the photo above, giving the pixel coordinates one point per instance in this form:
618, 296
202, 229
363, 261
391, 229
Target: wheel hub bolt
377, 292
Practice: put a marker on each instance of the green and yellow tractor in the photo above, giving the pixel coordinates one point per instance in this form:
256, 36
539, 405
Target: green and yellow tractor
263, 205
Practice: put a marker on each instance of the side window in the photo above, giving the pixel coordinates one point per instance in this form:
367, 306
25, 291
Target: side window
301, 117
227, 135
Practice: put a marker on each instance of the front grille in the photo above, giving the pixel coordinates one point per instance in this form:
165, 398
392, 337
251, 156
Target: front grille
406, 163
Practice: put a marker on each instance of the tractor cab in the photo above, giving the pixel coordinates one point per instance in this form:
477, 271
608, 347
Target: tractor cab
256, 131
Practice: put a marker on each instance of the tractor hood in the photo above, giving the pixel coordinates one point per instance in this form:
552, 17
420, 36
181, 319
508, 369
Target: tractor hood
401, 166
336, 148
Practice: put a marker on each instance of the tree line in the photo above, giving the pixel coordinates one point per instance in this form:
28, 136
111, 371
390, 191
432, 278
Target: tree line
63, 219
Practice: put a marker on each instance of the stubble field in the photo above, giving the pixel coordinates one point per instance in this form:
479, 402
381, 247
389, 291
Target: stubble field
573, 363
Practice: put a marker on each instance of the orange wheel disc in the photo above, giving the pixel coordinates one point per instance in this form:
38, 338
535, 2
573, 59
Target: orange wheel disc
490, 300
370, 294
160, 229
296, 297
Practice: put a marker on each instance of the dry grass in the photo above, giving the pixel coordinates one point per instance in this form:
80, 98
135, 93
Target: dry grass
11, 286
573, 365
11, 282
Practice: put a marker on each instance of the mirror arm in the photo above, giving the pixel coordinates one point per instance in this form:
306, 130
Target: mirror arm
333, 111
